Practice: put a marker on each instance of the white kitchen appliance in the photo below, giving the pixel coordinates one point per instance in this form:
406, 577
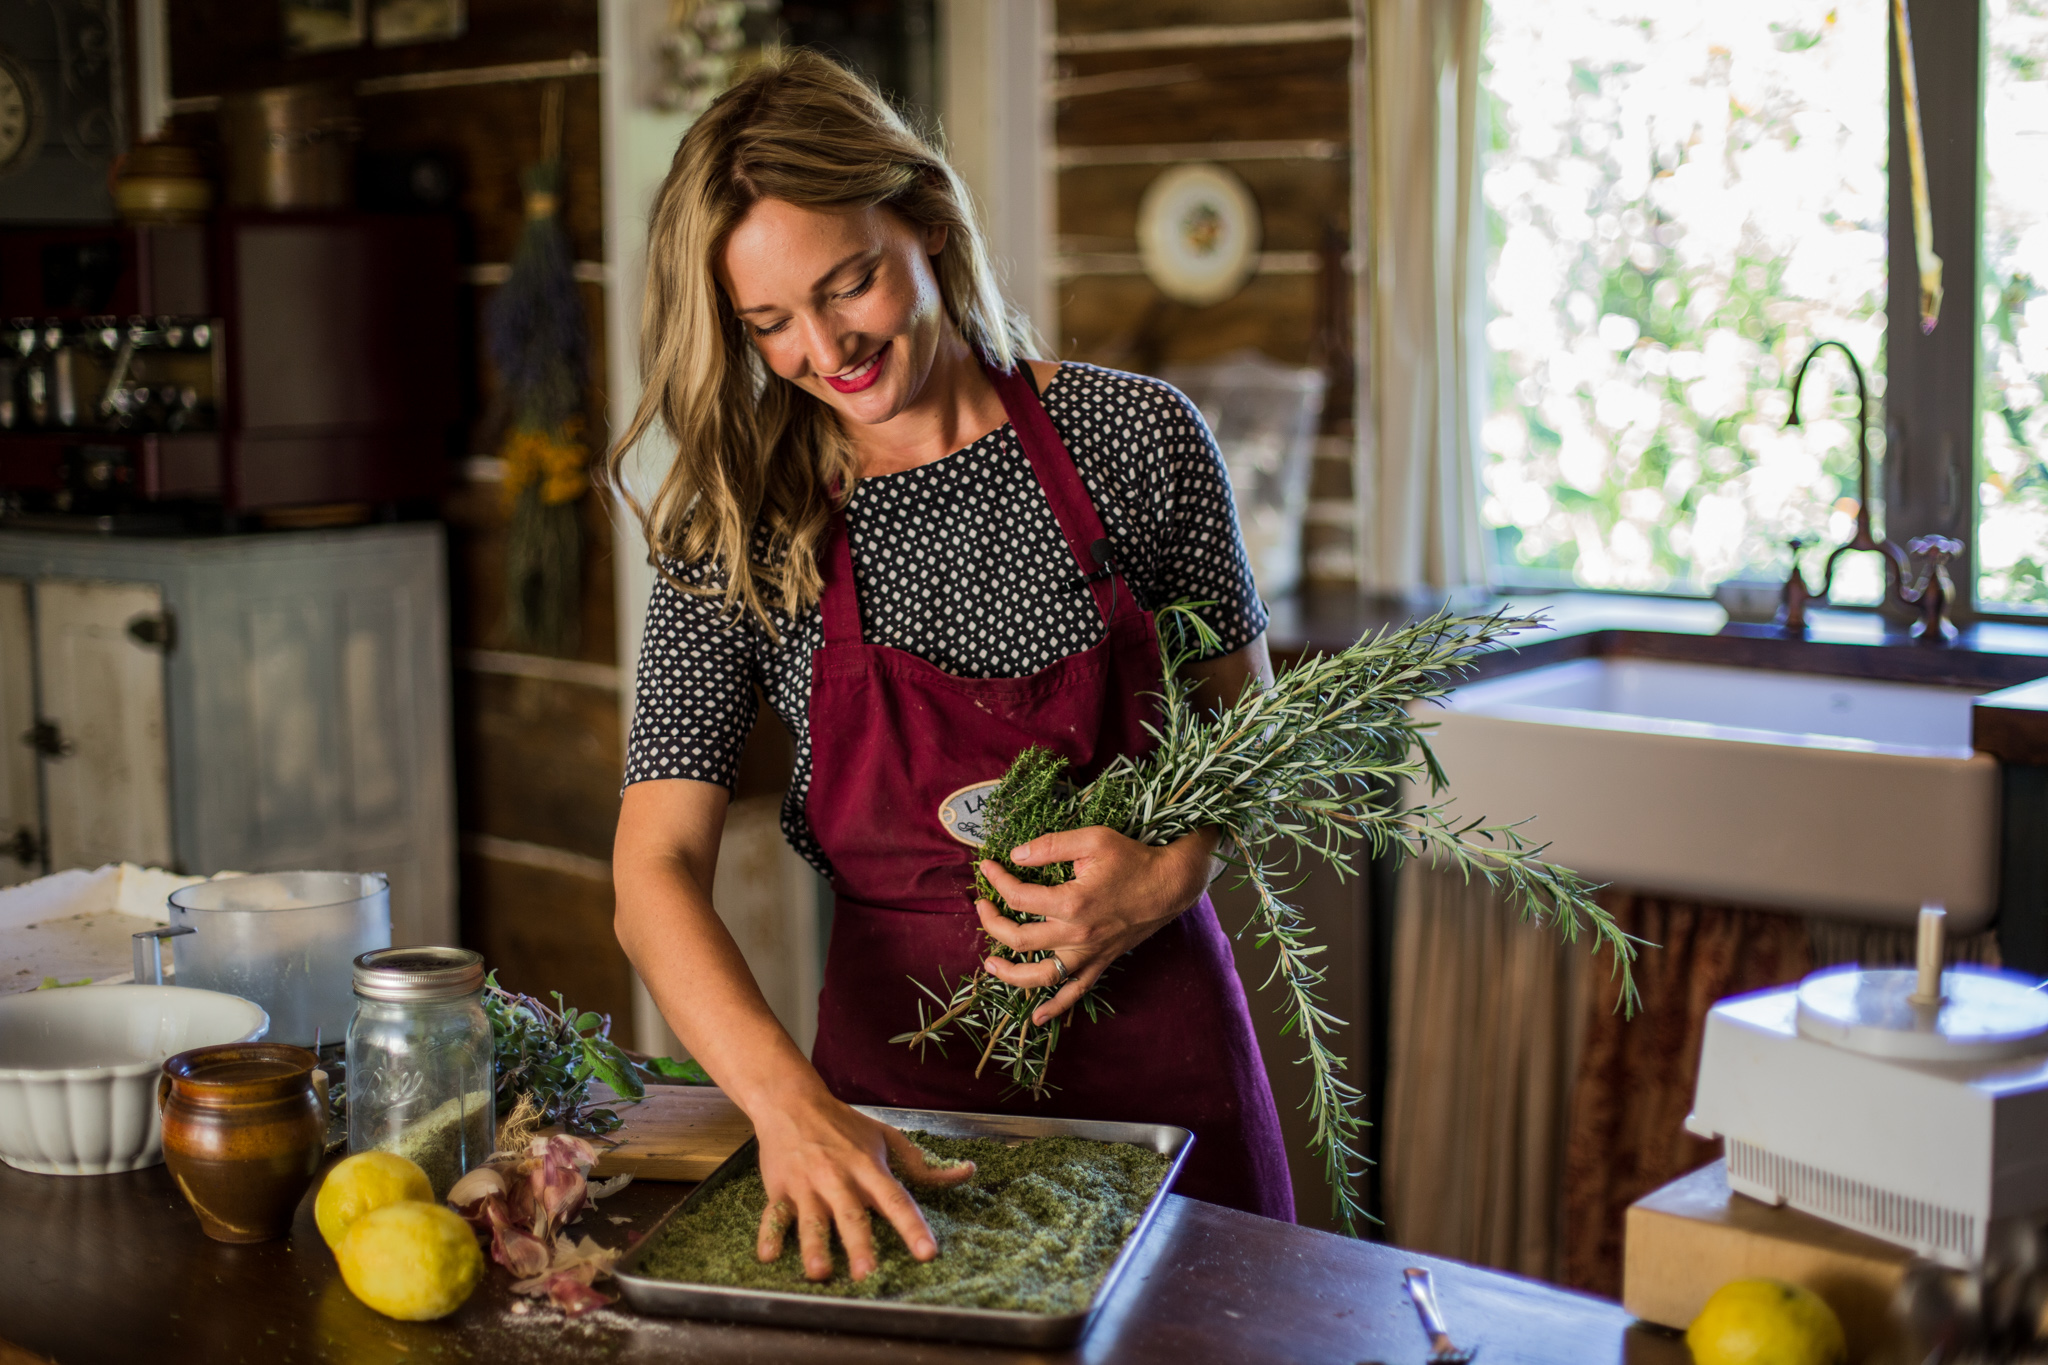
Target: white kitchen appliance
1910, 1104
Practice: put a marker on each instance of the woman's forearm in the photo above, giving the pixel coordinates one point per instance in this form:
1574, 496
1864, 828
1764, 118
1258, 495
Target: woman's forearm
662, 866
822, 1162
704, 988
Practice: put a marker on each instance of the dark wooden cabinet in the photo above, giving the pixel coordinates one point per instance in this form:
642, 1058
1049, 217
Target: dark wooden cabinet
330, 370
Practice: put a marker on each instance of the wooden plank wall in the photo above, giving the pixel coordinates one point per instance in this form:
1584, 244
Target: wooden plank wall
1263, 88
538, 747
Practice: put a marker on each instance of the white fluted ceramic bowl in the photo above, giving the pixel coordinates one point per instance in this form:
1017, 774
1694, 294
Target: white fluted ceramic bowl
79, 1066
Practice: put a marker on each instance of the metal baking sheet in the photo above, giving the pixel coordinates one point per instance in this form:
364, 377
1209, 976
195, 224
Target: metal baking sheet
816, 1312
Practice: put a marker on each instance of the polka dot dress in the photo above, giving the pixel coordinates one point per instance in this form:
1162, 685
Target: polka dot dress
960, 562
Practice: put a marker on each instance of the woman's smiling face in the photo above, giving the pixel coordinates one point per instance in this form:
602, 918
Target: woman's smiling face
842, 303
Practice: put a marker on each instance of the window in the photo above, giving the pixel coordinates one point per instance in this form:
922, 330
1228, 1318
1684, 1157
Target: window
1684, 196
2012, 523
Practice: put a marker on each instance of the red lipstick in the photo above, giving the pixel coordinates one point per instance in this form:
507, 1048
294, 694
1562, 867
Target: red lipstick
860, 376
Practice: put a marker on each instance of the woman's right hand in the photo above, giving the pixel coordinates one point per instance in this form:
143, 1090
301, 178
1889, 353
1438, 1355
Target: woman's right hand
826, 1165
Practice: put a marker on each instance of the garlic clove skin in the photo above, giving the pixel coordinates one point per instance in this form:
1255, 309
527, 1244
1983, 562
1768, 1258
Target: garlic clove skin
574, 1297
558, 1184
605, 1189
475, 1187
519, 1251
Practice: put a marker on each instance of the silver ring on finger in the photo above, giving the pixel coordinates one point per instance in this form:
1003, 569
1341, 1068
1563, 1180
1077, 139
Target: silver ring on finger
1061, 968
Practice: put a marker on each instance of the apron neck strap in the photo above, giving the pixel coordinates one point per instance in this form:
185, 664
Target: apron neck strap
839, 602
1059, 477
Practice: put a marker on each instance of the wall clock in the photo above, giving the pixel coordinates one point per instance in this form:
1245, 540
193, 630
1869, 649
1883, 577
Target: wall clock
60, 65
21, 114
1198, 233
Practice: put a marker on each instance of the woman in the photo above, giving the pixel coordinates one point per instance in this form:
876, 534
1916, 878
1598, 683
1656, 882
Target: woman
874, 518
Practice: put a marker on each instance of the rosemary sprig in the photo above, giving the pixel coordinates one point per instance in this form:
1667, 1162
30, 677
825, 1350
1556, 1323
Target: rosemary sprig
1310, 765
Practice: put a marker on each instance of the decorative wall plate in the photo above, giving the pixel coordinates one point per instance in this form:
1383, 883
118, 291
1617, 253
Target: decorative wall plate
1198, 233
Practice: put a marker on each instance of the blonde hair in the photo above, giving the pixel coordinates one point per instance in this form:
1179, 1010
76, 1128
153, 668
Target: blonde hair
755, 453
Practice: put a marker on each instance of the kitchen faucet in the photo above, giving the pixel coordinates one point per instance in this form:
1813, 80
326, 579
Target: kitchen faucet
1792, 616
1931, 593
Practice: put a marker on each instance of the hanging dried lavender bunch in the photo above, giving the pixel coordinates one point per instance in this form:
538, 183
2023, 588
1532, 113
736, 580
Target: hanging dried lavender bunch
1311, 765
540, 346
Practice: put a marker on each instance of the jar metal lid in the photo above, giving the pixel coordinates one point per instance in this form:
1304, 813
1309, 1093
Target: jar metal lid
418, 975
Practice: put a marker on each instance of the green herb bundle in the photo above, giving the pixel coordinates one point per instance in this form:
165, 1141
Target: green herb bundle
1310, 765
554, 1054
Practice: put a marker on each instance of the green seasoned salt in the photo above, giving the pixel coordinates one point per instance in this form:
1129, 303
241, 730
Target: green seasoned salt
1034, 1231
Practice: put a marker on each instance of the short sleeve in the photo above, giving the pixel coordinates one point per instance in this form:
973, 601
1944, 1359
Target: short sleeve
696, 696
1174, 495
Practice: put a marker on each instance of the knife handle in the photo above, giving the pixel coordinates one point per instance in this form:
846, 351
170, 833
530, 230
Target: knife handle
1424, 1296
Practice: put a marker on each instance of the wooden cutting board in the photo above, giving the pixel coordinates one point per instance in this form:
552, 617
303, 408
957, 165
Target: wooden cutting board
679, 1132
1688, 1239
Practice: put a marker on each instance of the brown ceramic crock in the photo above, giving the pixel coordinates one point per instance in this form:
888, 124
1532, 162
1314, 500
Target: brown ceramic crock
244, 1127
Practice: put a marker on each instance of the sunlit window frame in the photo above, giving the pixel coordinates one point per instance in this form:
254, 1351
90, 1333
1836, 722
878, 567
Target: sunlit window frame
1933, 382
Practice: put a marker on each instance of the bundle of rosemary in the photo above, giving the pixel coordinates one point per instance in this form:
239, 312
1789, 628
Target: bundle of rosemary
1311, 765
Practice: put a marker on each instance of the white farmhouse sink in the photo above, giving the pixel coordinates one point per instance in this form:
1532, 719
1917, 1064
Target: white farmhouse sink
1839, 797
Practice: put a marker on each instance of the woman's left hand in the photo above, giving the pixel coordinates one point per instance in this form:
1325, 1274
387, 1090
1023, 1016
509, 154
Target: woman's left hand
1122, 892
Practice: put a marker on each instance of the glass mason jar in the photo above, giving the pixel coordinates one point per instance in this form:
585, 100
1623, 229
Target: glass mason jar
420, 1076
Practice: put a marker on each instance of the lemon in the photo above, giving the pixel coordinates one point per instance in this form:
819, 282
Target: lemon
365, 1181
1766, 1322
411, 1260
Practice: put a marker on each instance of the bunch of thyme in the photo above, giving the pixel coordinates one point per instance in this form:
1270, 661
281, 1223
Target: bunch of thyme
1310, 765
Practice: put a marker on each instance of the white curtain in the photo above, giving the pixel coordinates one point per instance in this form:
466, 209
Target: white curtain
1421, 286
1486, 1022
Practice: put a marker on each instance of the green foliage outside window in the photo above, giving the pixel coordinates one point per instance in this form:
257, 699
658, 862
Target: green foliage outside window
1682, 198
2013, 494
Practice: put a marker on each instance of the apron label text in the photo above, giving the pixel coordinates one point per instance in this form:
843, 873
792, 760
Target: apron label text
964, 812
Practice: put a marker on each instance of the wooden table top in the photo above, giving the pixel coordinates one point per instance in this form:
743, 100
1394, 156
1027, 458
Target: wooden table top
114, 1268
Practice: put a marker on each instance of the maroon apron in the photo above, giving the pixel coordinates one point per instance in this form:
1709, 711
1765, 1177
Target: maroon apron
901, 753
